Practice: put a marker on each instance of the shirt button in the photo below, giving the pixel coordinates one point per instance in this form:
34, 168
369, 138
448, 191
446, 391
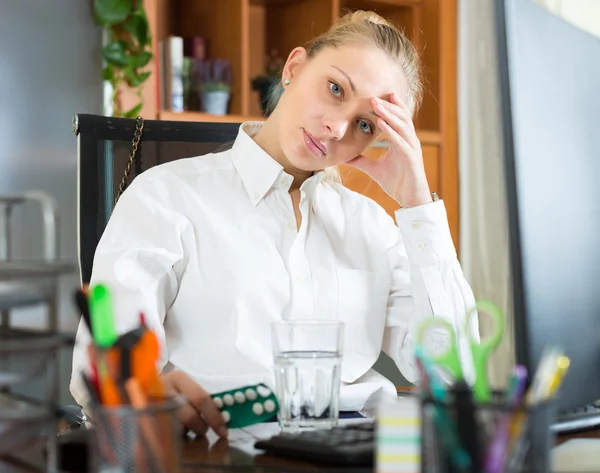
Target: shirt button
416, 225
256, 196
291, 225
421, 245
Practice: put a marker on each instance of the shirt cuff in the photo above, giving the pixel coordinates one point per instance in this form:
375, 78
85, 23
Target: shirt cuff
426, 233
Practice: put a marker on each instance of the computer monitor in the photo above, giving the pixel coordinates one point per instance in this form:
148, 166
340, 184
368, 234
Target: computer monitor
550, 87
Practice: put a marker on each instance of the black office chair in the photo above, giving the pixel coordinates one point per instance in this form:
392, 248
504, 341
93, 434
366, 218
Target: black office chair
103, 149
104, 145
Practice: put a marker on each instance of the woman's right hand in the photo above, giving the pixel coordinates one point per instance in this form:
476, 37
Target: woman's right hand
199, 412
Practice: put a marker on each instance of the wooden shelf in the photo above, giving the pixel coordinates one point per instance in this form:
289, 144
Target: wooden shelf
246, 31
370, 4
397, 3
205, 117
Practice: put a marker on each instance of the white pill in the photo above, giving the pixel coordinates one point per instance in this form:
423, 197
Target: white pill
228, 400
251, 394
263, 391
257, 408
226, 416
269, 405
239, 397
218, 402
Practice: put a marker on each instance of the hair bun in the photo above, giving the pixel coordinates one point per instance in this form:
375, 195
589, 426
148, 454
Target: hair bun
361, 16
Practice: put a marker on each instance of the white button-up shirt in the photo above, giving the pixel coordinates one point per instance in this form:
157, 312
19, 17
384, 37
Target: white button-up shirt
208, 248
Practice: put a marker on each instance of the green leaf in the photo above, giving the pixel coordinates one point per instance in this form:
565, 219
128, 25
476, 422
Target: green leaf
114, 53
108, 73
139, 60
134, 112
142, 12
111, 12
134, 79
137, 25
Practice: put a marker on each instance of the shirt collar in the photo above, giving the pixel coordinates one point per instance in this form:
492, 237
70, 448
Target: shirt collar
257, 169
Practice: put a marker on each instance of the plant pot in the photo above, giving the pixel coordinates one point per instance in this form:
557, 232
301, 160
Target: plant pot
215, 102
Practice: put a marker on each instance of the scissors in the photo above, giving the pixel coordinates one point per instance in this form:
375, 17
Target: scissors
480, 350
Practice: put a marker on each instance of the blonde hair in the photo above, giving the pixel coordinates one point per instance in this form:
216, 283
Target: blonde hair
366, 27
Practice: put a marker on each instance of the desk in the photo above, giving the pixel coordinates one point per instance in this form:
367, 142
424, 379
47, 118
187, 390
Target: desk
202, 456
198, 457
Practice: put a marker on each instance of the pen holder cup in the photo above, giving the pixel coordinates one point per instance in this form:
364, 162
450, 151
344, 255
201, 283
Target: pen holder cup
495, 437
133, 440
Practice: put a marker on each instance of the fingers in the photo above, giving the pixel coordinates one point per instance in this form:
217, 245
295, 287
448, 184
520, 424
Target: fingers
191, 419
200, 412
398, 117
201, 401
394, 136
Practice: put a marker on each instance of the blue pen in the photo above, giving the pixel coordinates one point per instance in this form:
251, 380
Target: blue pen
445, 425
497, 450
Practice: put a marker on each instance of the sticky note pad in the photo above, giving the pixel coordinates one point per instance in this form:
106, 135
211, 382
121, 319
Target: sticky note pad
398, 436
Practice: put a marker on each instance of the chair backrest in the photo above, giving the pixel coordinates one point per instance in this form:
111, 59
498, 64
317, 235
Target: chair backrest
103, 147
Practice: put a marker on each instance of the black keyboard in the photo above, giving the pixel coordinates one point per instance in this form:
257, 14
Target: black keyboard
581, 418
348, 445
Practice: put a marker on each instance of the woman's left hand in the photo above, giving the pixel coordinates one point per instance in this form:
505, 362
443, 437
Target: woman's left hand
400, 171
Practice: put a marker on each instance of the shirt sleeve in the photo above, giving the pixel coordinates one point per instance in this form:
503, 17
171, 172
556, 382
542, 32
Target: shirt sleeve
427, 280
140, 257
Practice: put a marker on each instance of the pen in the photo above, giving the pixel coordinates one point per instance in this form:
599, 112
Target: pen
562, 365
140, 402
145, 357
103, 328
497, 451
540, 386
93, 360
91, 389
551, 370
81, 301
446, 427
108, 376
468, 430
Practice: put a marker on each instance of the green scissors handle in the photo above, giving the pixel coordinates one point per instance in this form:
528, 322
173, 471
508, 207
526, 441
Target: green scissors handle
481, 350
449, 358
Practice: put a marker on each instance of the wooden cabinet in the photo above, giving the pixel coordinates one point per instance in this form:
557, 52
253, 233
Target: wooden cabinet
245, 31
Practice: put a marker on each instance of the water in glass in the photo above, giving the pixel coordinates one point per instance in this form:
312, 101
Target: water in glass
308, 384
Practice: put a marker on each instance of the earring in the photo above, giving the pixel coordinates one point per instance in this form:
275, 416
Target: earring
286, 81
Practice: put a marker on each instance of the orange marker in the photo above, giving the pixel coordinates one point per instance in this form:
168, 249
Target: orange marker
139, 401
108, 374
144, 359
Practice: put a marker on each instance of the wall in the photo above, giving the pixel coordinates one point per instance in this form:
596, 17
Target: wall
584, 14
49, 70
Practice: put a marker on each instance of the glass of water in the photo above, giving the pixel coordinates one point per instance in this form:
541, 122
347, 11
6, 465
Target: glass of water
308, 361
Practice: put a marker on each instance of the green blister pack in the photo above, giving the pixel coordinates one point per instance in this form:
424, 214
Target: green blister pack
246, 406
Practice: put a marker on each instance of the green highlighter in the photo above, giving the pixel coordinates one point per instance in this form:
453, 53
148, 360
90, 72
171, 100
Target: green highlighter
246, 406
101, 314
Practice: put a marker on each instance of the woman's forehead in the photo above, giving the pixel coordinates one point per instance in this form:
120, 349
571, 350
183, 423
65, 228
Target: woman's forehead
369, 70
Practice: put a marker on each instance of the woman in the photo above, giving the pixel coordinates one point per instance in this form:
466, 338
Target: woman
215, 248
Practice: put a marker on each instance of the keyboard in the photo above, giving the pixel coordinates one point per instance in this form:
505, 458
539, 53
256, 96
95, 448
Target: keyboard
581, 418
347, 445
354, 444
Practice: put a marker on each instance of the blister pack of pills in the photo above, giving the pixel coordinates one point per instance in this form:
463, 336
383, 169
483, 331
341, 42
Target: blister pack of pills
246, 406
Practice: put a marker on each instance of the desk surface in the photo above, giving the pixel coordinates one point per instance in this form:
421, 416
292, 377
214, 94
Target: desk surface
204, 455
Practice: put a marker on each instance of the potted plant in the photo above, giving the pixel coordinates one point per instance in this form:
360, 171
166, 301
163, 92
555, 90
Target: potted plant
215, 85
266, 83
127, 50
